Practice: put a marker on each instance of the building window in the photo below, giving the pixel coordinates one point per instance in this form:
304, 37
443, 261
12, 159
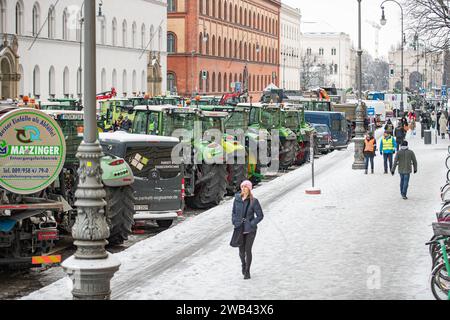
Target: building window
2, 16
171, 82
114, 79
171, 5
36, 19
335, 68
66, 82
103, 80
114, 32
124, 83
51, 82
65, 26
103, 31
152, 35
19, 18
143, 39
51, 23
333, 51
79, 82
171, 43
321, 51
36, 81
133, 36
124, 33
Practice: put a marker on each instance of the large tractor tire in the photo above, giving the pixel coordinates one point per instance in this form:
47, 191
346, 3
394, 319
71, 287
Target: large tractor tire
119, 212
212, 187
287, 154
236, 174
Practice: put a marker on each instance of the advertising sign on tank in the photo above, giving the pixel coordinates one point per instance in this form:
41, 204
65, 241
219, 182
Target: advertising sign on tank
32, 151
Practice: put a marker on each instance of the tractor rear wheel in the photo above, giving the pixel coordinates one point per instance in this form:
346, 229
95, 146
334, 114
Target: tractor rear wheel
236, 174
212, 190
288, 154
119, 212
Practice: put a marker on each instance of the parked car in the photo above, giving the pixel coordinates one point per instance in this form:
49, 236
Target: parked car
324, 140
158, 191
335, 121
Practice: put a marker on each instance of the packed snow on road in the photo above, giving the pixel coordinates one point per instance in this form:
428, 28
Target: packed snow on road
357, 240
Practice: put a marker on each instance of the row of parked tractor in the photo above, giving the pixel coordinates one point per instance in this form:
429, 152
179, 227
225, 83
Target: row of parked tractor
141, 137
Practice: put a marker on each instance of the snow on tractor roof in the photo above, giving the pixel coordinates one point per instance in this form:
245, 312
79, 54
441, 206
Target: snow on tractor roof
165, 107
122, 136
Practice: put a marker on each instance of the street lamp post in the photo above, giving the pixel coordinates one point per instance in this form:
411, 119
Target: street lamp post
402, 76
91, 267
358, 164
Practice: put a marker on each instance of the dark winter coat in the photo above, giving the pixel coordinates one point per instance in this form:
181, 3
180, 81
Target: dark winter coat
400, 135
404, 159
253, 216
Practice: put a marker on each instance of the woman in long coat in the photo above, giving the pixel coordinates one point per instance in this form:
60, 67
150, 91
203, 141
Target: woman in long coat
443, 125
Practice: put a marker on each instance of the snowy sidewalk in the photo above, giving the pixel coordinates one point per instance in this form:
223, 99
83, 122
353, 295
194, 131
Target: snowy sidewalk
358, 240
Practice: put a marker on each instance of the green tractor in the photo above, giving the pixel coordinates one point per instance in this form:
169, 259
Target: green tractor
156, 101
293, 118
61, 104
268, 117
238, 118
117, 178
205, 174
114, 113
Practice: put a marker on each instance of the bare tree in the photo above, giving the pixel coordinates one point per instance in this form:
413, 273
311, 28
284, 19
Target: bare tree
430, 19
313, 73
375, 73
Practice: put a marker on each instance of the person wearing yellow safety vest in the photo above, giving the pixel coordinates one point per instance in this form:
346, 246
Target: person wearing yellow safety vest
388, 145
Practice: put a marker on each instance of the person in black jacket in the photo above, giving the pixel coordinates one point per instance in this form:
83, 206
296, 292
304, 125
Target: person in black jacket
247, 212
400, 134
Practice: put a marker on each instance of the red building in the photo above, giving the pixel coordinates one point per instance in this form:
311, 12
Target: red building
211, 41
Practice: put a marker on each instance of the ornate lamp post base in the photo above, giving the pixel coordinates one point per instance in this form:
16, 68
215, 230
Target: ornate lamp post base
359, 164
91, 278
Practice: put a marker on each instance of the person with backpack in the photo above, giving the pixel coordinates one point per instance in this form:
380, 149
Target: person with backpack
246, 214
387, 149
370, 147
404, 159
389, 126
400, 135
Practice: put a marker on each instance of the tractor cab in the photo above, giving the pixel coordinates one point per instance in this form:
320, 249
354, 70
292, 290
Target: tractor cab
116, 114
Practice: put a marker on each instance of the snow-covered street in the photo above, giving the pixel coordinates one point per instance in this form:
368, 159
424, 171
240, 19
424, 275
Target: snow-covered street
358, 240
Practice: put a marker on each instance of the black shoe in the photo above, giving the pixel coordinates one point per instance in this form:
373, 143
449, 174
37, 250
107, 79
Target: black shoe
243, 269
372, 171
405, 197
247, 275
365, 172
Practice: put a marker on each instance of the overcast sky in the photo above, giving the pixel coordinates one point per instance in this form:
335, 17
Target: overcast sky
342, 16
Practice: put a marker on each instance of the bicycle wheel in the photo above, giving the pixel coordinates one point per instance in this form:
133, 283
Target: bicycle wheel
447, 162
439, 286
448, 175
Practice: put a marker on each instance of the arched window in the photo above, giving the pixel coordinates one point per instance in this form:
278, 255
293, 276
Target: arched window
143, 82
219, 82
219, 47
207, 8
66, 82
200, 43
143, 36
220, 9
225, 44
213, 13
124, 33
133, 35
236, 14
245, 17
152, 36
124, 83
160, 31
78, 27
36, 19
51, 82
241, 18
65, 25
171, 82
114, 79
171, 43
51, 22
225, 10
134, 82
230, 49
201, 6
200, 81
114, 32
103, 80
308, 51
213, 80
207, 44
245, 51
22, 81
235, 49
240, 49
2, 16
225, 83
321, 51
333, 51
103, 31
207, 82
19, 17
213, 48
36, 81
171, 5
231, 13
79, 82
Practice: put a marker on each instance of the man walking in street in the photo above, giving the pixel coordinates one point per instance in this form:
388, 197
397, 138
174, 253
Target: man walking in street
370, 147
387, 149
404, 159
400, 134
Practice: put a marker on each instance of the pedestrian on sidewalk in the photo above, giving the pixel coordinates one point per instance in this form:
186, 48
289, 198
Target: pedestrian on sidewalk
404, 159
389, 126
387, 149
370, 147
247, 213
433, 119
443, 125
400, 135
412, 127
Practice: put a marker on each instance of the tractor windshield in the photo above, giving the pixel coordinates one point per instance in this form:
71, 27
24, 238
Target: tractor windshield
179, 121
146, 123
236, 120
212, 123
270, 117
291, 120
